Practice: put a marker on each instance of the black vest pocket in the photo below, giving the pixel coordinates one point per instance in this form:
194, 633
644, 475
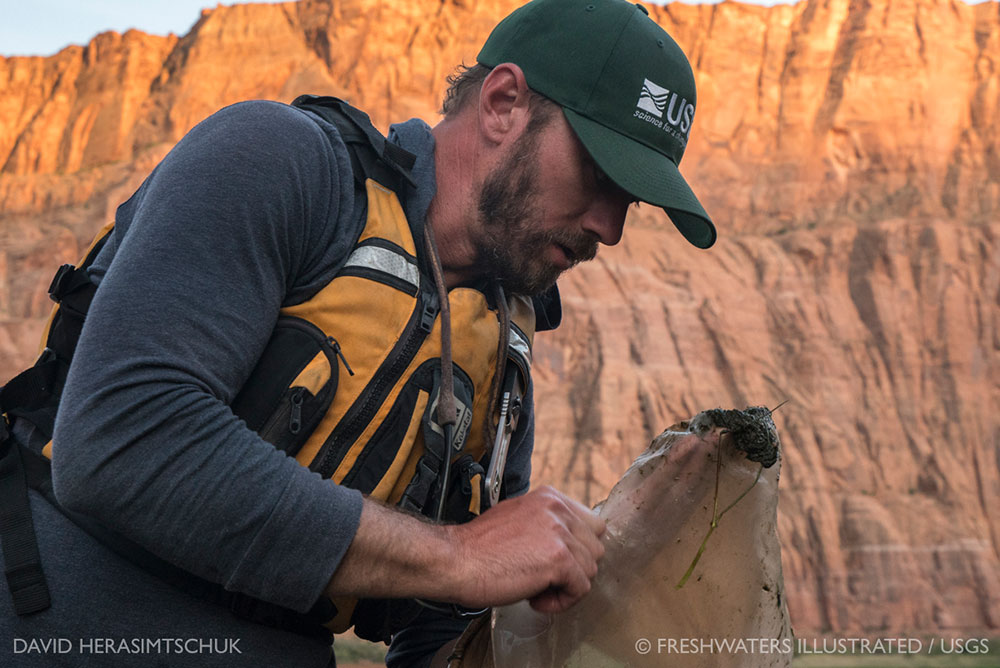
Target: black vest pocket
380, 452
292, 385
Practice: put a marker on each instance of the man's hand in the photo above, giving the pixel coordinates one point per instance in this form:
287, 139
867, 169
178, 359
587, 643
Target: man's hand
542, 546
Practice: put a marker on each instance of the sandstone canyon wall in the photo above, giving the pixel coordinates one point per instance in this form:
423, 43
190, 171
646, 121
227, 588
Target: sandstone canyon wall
850, 154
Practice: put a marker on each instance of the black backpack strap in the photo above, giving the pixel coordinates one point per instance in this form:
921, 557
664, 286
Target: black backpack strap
372, 155
72, 290
22, 563
33, 395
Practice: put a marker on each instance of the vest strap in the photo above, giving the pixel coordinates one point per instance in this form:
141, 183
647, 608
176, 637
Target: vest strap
23, 565
33, 394
356, 129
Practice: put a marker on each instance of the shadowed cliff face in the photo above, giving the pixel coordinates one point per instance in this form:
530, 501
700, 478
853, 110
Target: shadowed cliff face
850, 154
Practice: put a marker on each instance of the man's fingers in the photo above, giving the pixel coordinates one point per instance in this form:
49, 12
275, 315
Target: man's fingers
576, 585
587, 528
577, 514
587, 549
580, 560
542, 546
579, 534
594, 521
548, 602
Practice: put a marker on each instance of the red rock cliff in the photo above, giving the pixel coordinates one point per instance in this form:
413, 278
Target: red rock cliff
850, 154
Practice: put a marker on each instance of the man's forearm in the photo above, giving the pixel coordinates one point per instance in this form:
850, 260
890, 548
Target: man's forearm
542, 546
394, 555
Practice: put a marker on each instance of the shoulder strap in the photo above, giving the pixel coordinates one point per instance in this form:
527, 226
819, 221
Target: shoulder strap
372, 155
33, 395
23, 568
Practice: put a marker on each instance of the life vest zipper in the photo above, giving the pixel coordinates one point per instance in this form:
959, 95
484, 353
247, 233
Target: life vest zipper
364, 408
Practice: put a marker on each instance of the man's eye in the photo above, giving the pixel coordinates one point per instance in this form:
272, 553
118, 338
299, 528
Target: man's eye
604, 182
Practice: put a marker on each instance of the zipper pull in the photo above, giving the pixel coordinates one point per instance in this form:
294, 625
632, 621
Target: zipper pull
340, 353
295, 421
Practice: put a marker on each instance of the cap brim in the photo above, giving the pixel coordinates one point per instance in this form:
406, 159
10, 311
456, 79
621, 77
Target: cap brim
646, 174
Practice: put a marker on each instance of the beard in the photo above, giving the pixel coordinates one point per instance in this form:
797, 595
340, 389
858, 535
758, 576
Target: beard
510, 246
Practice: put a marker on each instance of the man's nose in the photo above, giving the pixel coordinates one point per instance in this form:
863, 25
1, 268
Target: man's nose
606, 219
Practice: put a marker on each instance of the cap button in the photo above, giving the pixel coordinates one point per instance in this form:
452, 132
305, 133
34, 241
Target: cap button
644, 10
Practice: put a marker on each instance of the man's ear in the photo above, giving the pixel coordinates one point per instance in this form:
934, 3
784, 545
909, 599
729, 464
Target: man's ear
503, 104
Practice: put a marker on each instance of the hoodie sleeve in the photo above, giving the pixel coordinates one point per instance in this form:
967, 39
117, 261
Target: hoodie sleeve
240, 218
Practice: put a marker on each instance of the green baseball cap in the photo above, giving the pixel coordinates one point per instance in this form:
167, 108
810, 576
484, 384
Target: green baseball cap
625, 87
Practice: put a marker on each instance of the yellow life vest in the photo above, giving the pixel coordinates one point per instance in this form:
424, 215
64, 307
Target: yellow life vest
381, 312
378, 330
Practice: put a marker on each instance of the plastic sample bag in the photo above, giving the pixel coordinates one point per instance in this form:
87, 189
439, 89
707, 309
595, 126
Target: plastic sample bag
672, 590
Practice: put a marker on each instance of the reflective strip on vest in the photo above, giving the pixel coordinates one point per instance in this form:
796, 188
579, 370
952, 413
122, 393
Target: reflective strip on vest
519, 344
386, 261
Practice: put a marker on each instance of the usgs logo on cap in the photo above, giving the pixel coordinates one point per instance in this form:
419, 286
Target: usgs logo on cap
654, 100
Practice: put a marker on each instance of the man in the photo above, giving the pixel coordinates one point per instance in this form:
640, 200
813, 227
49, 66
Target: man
576, 110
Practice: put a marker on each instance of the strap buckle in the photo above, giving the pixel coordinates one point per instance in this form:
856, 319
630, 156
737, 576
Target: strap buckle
60, 282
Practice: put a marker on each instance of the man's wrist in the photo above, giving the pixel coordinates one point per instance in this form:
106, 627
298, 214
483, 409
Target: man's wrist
397, 555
